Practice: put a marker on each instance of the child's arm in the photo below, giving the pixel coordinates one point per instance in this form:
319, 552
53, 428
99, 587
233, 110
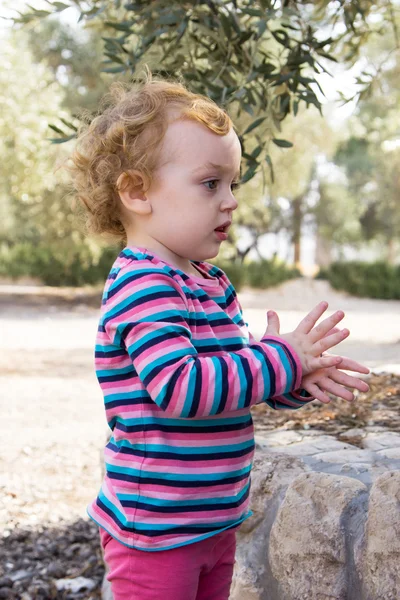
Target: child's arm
147, 314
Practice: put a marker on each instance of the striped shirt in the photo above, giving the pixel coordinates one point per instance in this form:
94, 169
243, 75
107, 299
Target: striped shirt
179, 372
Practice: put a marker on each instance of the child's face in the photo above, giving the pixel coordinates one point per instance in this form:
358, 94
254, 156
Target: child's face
192, 190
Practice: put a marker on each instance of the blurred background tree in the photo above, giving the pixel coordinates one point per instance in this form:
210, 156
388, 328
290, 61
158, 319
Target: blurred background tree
263, 61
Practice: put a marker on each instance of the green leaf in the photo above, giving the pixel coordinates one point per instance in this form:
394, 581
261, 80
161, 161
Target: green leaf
60, 6
248, 108
61, 140
119, 69
169, 19
37, 12
328, 56
282, 78
68, 124
261, 27
249, 174
254, 12
57, 129
306, 80
246, 35
254, 75
123, 26
92, 13
281, 37
282, 143
256, 152
254, 124
114, 58
226, 26
266, 68
240, 93
271, 167
235, 23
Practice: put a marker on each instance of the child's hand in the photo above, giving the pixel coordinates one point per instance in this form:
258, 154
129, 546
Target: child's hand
333, 380
310, 341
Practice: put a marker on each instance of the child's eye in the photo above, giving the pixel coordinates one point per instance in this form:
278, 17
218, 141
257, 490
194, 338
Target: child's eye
212, 184
235, 185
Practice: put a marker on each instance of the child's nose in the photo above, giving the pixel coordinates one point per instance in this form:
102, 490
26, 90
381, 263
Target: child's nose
230, 202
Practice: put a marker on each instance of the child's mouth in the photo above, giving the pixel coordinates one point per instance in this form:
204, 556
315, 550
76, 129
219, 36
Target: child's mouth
221, 235
224, 228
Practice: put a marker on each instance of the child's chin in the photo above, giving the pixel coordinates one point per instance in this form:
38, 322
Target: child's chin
211, 255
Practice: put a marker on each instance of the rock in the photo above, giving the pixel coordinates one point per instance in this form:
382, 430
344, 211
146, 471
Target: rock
55, 569
381, 441
351, 455
5, 582
380, 562
392, 453
106, 593
308, 551
353, 436
281, 437
271, 476
308, 447
20, 575
75, 585
6, 593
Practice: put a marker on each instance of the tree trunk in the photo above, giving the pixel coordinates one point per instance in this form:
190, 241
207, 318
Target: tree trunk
323, 251
297, 206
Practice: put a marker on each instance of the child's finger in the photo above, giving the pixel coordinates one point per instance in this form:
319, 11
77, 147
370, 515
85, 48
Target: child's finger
318, 394
274, 325
323, 362
330, 341
351, 365
349, 381
309, 320
336, 389
327, 326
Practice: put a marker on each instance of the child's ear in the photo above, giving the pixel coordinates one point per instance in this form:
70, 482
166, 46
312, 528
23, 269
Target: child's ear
131, 190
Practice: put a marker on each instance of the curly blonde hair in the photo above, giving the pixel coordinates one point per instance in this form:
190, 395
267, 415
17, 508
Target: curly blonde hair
121, 144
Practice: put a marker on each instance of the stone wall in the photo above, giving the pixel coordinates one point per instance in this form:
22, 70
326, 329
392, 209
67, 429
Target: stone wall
326, 520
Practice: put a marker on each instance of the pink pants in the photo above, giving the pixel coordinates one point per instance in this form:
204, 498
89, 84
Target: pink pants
199, 571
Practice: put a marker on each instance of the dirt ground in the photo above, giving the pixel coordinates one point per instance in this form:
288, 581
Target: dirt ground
53, 422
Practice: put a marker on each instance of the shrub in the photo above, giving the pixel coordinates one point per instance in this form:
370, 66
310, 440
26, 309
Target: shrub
236, 272
258, 274
80, 264
57, 265
267, 273
371, 280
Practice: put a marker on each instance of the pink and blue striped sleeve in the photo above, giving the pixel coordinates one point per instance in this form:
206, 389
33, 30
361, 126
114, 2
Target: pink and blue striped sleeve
290, 400
147, 314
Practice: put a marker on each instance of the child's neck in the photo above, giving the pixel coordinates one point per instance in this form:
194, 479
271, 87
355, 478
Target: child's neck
163, 252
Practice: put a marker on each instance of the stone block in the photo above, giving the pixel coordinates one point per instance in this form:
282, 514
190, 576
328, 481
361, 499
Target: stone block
308, 549
392, 453
271, 476
350, 455
380, 562
381, 440
308, 447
